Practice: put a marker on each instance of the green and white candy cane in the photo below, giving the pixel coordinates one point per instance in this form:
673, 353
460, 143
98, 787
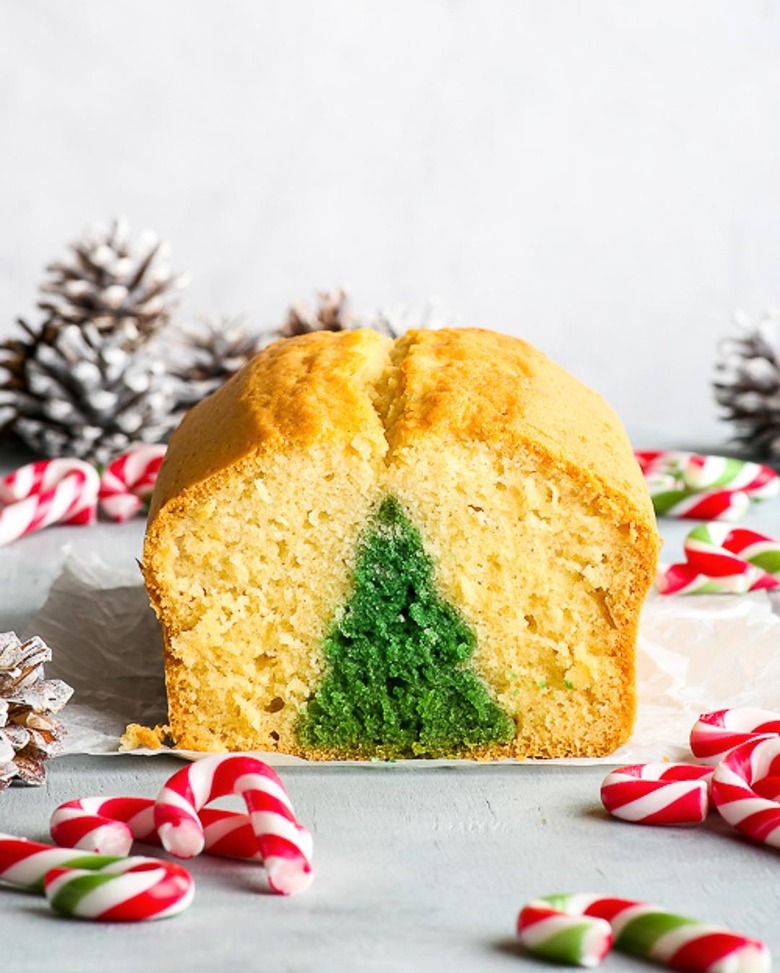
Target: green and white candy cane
704, 487
644, 930
25, 863
130, 890
87, 885
557, 929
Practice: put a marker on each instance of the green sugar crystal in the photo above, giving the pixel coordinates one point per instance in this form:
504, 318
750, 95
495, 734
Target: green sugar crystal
397, 680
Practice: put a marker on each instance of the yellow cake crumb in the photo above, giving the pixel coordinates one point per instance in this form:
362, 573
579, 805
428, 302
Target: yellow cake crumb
137, 736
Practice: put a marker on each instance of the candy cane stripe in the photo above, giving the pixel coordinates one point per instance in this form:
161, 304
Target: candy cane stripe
127, 482
722, 948
564, 938
723, 560
100, 894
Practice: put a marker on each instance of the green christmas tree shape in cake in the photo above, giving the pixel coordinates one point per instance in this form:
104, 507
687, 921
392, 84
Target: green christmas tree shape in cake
397, 679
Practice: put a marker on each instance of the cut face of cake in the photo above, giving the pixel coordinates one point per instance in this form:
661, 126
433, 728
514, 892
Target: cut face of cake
432, 547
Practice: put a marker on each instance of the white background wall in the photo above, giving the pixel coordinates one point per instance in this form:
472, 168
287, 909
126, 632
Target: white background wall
599, 177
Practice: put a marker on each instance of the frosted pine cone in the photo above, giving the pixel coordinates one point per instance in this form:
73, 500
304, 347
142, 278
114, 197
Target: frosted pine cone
332, 313
112, 283
203, 356
394, 321
747, 383
89, 396
29, 730
107, 299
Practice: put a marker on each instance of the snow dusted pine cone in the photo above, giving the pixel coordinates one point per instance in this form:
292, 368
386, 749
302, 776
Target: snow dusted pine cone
29, 730
747, 383
88, 380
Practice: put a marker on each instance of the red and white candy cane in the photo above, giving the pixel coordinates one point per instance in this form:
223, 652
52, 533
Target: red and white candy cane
109, 825
746, 789
59, 491
650, 932
127, 890
658, 793
285, 846
127, 482
715, 734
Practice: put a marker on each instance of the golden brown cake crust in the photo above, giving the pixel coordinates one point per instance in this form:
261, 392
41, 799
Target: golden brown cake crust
466, 384
475, 385
297, 392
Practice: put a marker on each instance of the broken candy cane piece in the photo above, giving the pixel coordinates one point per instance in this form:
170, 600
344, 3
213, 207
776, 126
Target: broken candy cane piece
92, 886
127, 890
24, 863
704, 487
658, 793
555, 928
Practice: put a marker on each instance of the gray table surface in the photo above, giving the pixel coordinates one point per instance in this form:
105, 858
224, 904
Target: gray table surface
417, 868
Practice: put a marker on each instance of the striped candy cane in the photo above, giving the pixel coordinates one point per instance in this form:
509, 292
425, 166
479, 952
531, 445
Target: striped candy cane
746, 789
24, 863
44, 493
704, 487
651, 932
127, 482
693, 505
724, 560
685, 579
556, 928
703, 472
719, 550
92, 886
715, 734
284, 844
658, 793
109, 825
128, 890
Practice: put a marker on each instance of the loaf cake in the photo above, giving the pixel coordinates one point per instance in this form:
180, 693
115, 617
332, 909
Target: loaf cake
437, 546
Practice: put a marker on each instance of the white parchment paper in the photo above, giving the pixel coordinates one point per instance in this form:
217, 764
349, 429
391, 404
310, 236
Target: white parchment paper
695, 654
